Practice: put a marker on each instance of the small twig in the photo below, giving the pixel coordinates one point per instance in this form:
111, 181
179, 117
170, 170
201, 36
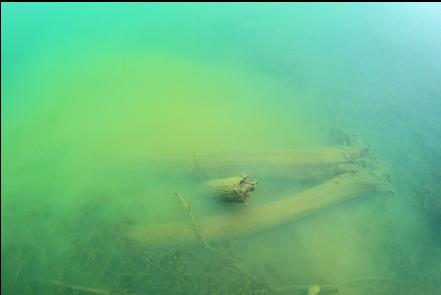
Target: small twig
193, 219
78, 288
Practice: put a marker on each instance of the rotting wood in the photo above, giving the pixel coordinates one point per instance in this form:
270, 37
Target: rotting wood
233, 189
272, 214
303, 164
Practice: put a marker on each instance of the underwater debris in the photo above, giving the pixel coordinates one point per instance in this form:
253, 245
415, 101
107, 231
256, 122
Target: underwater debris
193, 219
271, 214
300, 164
366, 174
233, 189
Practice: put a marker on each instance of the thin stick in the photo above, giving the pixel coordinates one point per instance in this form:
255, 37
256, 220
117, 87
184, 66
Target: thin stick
193, 220
78, 288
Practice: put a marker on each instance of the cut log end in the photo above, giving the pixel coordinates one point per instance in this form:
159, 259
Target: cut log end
233, 189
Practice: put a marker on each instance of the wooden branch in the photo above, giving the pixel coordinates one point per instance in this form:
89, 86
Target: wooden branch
318, 163
252, 220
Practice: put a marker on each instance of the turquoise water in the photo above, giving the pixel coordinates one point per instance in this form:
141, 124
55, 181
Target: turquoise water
109, 109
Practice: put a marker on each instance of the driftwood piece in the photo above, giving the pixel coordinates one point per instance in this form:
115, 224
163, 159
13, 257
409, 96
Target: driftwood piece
318, 163
252, 220
233, 189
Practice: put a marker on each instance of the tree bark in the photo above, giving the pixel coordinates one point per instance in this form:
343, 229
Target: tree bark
302, 164
252, 220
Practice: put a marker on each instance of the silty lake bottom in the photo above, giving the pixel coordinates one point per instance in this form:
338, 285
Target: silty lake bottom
220, 148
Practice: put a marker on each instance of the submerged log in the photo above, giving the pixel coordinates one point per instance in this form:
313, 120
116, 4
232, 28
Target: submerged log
303, 164
233, 189
253, 220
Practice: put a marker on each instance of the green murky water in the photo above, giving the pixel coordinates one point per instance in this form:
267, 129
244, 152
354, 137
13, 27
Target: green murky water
100, 100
